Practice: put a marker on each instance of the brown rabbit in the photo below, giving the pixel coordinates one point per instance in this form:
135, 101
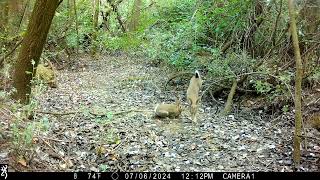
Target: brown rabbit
168, 110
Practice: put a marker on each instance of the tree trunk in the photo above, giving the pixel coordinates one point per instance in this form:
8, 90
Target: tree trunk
96, 13
115, 9
32, 47
135, 16
95, 25
5, 16
22, 16
14, 7
229, 102
77, 25
298, 78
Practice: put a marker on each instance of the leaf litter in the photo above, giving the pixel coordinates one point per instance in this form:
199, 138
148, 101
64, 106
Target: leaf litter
94, 139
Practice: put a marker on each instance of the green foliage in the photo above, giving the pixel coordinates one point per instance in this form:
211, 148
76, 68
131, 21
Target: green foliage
103, 167
127, 42
110, 137
23, 133
225, 17
315, 75
285, 108
262, 87
183, 29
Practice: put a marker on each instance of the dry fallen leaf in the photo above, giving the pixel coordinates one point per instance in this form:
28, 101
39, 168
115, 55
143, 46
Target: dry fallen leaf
114, 157
70, 164
35, 140
23, 162
193, 146
63, 166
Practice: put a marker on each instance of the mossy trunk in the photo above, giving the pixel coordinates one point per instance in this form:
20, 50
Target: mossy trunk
32, 46
298, 78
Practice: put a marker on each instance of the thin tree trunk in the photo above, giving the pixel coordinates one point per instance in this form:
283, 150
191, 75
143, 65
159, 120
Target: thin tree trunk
22, 16
32, 46
298, 78
77, 24
95, 25
14, 10
115, 9
6, 16
229, 103
135, 16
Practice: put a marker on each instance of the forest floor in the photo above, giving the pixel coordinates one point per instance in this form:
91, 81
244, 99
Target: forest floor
100, 135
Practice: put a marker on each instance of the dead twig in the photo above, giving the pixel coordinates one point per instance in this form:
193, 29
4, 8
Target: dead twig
122, 112
54, 150
57, 113
52, 139
118, 145
313, 102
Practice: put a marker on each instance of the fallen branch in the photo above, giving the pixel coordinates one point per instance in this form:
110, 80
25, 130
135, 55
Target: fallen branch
74, 112
122, 112
56, 153
57, 113
52, 139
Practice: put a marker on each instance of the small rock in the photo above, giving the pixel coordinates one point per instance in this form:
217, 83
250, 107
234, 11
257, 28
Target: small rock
166, 154
231, 117
61, 153
235, 137
3, 155
259, 150
177, 169
94, 169
63, 166
242, 148
287, 162
272, 146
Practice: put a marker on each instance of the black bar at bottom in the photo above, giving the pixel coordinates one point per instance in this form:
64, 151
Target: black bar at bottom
161, 175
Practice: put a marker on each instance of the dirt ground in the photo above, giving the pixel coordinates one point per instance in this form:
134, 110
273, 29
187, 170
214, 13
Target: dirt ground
90, 127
